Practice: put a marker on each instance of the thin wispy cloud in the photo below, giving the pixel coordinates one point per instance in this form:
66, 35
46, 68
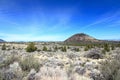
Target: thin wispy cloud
106, 18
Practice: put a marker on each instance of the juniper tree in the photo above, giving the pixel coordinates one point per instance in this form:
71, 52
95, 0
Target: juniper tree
31, 47
3, 47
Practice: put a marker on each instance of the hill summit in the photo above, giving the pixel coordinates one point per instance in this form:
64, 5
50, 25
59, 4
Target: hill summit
81, 37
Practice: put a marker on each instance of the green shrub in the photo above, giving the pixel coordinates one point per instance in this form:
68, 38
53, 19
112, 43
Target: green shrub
112, 47
86, 49
13, 47
64, 49
106, 47
103, 52
3, 47
77, 49
31, 47
68, 47
45, 48
56, 48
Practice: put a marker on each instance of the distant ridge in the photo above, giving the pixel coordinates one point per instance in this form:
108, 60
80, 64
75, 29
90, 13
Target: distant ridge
1, 40
81, 37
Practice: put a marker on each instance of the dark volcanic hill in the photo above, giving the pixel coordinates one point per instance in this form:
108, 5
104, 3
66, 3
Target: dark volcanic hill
81, 37
2, 40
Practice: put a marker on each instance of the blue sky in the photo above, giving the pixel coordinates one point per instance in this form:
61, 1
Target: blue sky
56, 20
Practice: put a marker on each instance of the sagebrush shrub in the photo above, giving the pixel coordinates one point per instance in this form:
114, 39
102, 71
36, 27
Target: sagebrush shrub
28, 63
110, 68
9, 60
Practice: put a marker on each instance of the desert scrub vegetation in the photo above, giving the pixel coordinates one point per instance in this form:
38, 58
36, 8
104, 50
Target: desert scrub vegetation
3, 47
112, 47
110, 68
59, 62
76, 49
31, 47
64, 49
106, 47
86, 48
9, 60
28, 63
45, 48
56, 48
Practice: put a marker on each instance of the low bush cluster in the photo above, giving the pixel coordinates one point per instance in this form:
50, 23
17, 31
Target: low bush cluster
110, 68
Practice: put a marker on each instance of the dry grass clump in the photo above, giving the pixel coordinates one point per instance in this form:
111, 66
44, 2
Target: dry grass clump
28, 63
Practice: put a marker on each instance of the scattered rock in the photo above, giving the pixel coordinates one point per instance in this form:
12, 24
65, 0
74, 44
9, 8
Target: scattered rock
94, 54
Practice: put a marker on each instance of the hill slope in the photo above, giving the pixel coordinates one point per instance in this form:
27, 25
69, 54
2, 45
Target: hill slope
2, 40
81, 37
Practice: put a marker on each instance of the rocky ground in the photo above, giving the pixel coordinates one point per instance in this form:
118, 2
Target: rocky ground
74, 63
